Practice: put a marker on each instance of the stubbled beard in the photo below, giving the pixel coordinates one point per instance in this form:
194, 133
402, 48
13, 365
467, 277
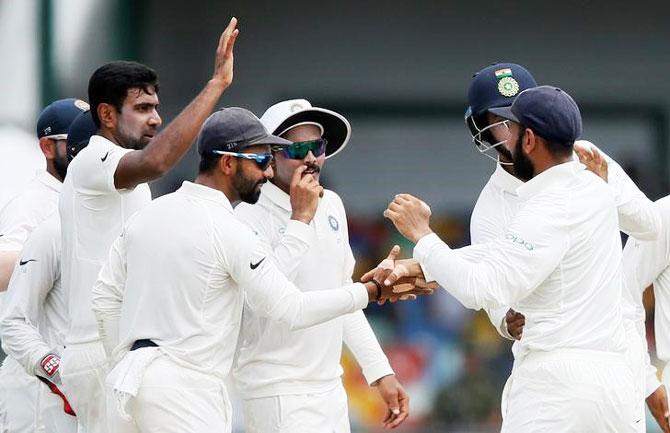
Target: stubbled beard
523, 166
247, 189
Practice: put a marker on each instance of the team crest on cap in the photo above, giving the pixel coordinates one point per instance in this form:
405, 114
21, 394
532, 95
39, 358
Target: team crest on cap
82, 105
334, 224
296, 107
508, 86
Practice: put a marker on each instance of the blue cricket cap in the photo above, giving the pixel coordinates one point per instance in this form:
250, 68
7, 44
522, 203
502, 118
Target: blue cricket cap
55, 119
80, 132
496, 86
549, 111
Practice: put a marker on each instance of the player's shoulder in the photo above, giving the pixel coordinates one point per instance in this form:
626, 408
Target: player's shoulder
333, 200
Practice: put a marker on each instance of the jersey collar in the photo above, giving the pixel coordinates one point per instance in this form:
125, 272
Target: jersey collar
273, 193
206, 193
505, 181
556, 174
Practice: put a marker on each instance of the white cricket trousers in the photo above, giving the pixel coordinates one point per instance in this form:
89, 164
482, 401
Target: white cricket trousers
325, 412
19, 394
176, 399
636, 359
28, 406
571, 391
83, 370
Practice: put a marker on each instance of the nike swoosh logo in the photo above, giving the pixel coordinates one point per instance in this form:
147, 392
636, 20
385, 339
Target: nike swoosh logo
22, 262
254, 266
104, 158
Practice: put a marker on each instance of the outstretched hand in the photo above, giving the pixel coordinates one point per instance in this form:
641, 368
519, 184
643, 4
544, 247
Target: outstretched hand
400, 279
224, 60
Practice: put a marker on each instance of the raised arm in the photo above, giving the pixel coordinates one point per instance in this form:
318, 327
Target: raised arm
167, 148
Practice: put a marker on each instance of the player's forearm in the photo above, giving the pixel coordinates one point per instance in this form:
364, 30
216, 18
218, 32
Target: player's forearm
640, 218
465, 281
22, 341
7, 263
292, 247
361, 340
170, 145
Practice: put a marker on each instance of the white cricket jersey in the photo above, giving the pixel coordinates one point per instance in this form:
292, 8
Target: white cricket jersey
272, 358
24, 212
175, 277
34, 312
558, 263
20, 159
92, 215
496, 206
498, 203
646, 263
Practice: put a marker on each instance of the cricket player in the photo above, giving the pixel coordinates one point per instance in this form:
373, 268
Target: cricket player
20, 159
559, 264
176, 312
105, 185
290, 379
39, 200
646, 263
34, 319
499, 202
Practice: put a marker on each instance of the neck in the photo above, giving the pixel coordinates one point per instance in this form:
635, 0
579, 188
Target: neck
51, 169
549, 162
109, 135
219, 184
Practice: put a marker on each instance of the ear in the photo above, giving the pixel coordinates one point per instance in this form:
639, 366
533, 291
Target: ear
108, 115
48, 148
228, 164
529, 141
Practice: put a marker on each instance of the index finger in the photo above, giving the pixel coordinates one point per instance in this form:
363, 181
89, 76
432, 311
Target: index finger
297, 174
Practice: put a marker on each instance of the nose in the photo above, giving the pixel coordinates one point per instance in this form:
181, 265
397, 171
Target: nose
269, 172
310, 157
155, 119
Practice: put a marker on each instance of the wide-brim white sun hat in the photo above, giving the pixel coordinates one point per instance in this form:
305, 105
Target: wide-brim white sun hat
285, 115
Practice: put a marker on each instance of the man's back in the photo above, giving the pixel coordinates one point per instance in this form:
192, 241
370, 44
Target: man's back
579, 304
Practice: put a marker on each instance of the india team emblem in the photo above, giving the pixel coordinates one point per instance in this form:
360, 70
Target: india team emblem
334, 224
508, 86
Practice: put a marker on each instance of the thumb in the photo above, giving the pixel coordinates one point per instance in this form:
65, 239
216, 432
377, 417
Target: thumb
393, 403
394, 253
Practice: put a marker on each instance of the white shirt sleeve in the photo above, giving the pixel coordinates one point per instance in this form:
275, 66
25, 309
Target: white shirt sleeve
508, 269
108, 293
98, 177
270, 294
638, 216
33, 277
486, 226
16, 223
357, 333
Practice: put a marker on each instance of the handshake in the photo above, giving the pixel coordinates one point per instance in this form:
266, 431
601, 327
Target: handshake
396, 279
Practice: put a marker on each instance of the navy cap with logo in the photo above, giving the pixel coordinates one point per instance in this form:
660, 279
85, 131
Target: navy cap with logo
80, 132
496, 86
55, 119
233, 130
549, 111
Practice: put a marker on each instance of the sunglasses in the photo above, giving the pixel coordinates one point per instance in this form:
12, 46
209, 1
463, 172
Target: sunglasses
300, 149
261, 159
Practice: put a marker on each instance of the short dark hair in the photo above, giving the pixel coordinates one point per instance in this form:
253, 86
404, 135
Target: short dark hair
110, 84
559, 149
207, 162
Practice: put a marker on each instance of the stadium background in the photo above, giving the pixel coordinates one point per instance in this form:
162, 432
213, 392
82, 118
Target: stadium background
398, 70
